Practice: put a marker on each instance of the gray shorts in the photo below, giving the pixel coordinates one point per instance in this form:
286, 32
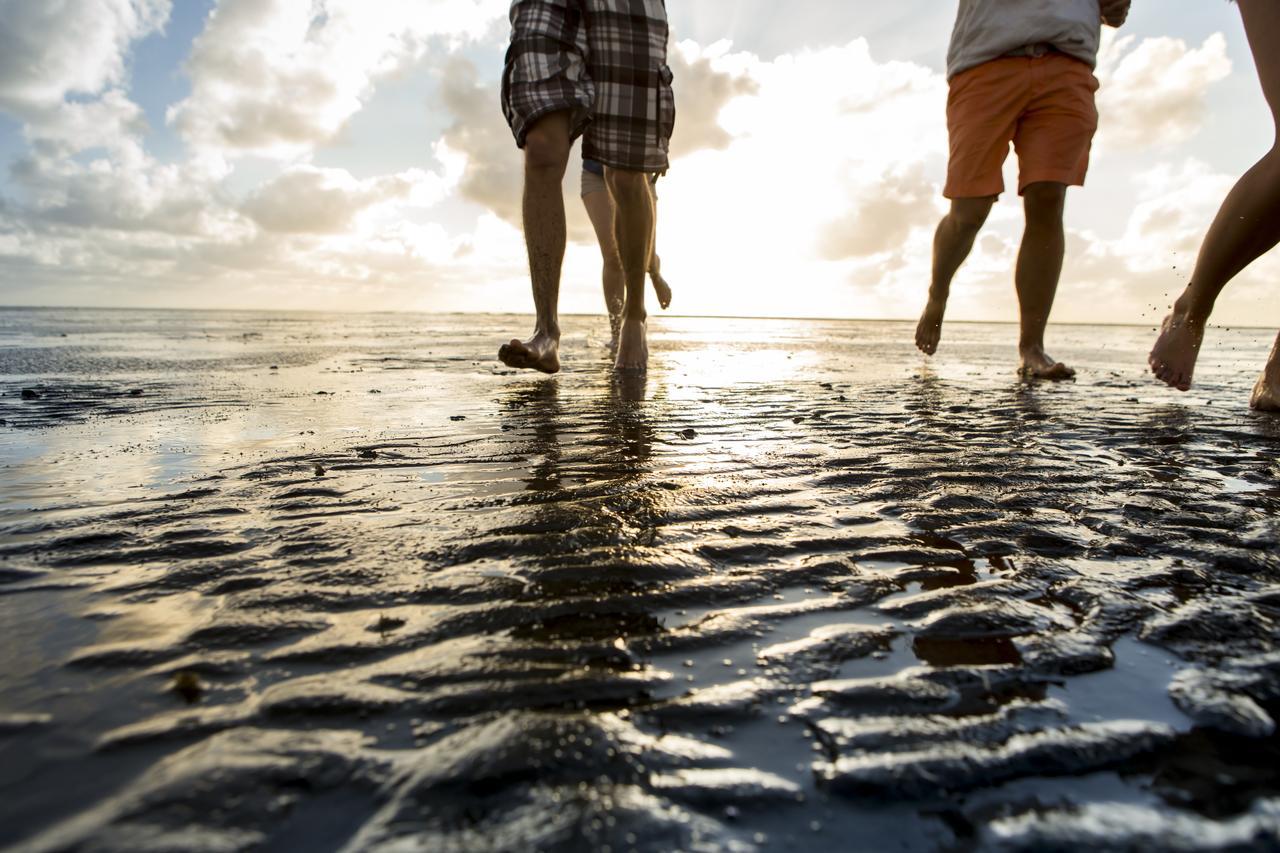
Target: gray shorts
593, 183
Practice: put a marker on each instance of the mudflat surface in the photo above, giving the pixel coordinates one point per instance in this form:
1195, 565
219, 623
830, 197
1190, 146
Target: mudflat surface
346, 583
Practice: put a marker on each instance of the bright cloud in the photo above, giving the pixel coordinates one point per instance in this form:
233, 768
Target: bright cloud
278, 77
54, 48
1154, 91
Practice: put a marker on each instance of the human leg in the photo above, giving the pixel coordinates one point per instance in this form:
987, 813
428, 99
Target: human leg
599, 207
632, 119
1246, 227
1039, 268
952, 243
633, 228
1266, 392
660, 287
982, 108
1054, 139
546, 155
546, 97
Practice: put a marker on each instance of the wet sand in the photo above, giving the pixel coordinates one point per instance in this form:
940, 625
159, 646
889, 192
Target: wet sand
346, 583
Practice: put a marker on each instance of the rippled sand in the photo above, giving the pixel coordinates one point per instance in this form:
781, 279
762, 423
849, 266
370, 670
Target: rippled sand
317, 582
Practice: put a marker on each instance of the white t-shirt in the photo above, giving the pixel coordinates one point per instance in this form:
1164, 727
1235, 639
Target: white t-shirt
988, 29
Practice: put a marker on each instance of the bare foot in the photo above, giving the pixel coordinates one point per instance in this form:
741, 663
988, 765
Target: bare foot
661, 289
633, 348
1266, 394
1037, 364
929, 329
1173, 358
541, 352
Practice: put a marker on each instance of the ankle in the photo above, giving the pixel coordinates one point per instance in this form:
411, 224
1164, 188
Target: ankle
1026, 348
1192, 310
636, 315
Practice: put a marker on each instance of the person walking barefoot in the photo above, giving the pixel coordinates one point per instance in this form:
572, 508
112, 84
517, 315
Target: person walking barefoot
599, 206
596, 69
1247, 226
1018, 73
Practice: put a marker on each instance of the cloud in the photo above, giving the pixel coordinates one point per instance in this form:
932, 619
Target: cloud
63, 67
277, 78
493, 169
1156, 92
702, 90
308, 200
884, 217
53, 48
109, 193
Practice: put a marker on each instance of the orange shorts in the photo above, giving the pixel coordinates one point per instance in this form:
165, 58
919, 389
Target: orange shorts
1043, 105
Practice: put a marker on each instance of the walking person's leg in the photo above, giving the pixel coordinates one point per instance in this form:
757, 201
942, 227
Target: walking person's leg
1038, 271
546, 156
660, 287
633, 227
632, 119
599, 204
1266, 391
546, 98
952, 243
1246, 227
1053, 139
983, 104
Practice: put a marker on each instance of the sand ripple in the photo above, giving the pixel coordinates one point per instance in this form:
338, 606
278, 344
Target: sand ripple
703, 612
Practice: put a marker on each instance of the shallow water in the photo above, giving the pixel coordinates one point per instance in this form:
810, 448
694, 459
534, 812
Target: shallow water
332, 582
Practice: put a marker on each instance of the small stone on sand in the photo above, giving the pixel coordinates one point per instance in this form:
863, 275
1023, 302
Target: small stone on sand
319, 469
187, 685
30, 394
689, 433
457, 417
386, 624
368, 453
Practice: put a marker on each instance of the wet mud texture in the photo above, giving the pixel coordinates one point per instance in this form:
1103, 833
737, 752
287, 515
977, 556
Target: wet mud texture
795, 591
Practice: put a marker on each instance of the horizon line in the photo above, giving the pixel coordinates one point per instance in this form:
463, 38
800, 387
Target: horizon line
173, 309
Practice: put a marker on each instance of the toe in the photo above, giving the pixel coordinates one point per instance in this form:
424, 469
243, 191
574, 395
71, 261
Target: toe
513, 356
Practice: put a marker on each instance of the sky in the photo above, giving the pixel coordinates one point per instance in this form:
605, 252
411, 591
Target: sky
352, 155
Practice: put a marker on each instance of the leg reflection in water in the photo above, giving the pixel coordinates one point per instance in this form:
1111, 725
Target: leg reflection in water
585, 531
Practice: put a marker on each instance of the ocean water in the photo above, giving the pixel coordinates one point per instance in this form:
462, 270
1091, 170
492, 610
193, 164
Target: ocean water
345, 582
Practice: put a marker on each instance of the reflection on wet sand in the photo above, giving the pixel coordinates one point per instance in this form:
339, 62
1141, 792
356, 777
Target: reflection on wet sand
754, 601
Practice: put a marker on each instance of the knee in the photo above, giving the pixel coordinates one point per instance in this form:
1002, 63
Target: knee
625, 184
546, 148
1044, 202
968, 215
